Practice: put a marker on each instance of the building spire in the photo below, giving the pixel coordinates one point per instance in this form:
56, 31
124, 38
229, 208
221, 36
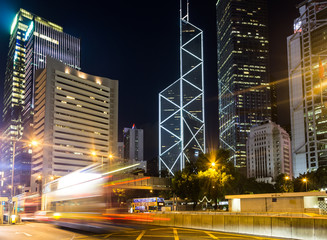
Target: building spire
187, 16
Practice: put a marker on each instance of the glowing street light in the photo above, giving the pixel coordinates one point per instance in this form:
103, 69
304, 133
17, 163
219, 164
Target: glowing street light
306, 183
287, 178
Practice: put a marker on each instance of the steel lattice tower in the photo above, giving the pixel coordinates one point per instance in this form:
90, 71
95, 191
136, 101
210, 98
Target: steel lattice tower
181, 104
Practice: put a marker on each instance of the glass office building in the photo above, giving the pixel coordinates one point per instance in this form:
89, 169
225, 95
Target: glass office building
32, 38
244, 89
181, 104
307, 57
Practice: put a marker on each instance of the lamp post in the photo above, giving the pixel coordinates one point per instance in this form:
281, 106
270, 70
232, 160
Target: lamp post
110, 158
306, 183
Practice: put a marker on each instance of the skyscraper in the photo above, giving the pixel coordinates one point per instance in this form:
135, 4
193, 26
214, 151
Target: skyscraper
32, 38
75, 121
243, 72
307, 57
181, 104
268, 152
133, 144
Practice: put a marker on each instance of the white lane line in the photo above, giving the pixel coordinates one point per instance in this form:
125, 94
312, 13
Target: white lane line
26, 234
141, 235
175, 234
211, 235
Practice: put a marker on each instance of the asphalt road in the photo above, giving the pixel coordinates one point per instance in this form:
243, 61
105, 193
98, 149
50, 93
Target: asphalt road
42, 231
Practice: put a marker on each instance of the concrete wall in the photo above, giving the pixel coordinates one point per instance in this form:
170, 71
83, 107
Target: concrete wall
285, 227
285, 204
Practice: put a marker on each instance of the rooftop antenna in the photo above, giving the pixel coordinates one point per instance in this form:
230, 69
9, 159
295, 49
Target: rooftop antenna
187, 16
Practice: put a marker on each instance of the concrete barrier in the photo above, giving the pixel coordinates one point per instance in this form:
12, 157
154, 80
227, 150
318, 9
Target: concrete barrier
206, 222
303, 228
271, 226
231, 224
320, 229
262, 225
218, 222
246, 224
281, 226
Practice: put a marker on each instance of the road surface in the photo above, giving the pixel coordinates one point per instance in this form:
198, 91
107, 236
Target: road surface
43, 231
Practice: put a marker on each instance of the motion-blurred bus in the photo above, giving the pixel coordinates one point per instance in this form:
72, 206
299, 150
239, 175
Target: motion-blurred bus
82, 199
152, 204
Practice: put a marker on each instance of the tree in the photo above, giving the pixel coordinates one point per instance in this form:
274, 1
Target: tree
209, 176
284, 184
185, 184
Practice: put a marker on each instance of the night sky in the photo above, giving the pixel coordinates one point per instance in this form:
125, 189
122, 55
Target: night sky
137, 43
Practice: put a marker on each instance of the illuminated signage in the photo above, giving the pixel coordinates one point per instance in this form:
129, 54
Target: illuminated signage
13, 25
297, 25
29, 30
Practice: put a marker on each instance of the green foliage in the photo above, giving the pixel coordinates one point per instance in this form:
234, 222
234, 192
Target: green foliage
185, 184
203, 178
284, 184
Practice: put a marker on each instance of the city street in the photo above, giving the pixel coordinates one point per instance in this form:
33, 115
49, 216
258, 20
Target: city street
41, 231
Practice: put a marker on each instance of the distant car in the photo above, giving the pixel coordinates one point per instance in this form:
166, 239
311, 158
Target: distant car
43, 216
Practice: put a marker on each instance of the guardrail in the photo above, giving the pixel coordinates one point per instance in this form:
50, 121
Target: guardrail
271, 226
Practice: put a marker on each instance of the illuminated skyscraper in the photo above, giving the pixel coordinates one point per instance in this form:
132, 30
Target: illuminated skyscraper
243, 72
181, 104
307, 57
32, 38
76, 120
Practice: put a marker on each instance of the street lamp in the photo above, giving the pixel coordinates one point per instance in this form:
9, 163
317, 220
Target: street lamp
306, 183
287, 178
110, 158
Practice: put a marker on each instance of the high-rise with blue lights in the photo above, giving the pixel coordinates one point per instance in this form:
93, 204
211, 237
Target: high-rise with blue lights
244, 89
32, 38
181, 104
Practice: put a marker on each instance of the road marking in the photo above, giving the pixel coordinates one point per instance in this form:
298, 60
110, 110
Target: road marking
26, 234
157, 236
175, 234
107, 236
155, 229
141, 235
212, 236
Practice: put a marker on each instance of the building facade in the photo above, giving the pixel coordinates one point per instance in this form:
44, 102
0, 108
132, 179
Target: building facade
244, 91
120, 150
181, 104
75, 120
32, 38
307, 56
268, 150
133, 144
